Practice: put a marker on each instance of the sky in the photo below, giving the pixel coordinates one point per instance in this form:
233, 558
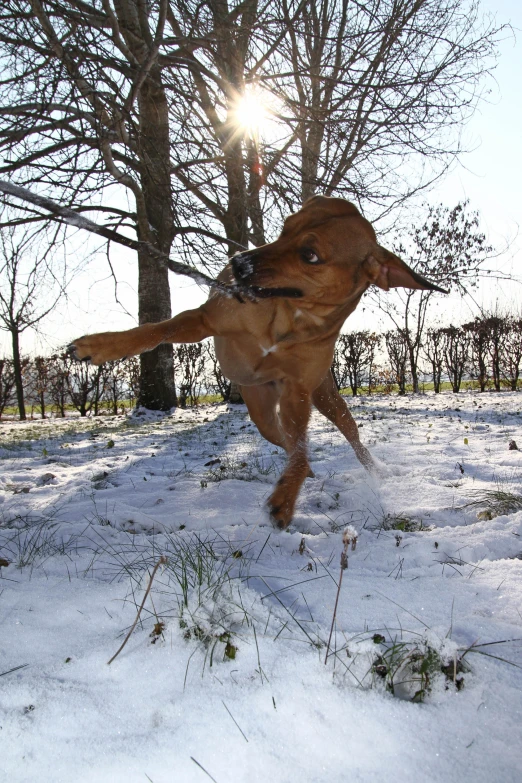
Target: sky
489, 176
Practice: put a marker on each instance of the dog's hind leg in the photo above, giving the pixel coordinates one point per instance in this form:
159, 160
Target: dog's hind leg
294, 413
262, 402
329, 402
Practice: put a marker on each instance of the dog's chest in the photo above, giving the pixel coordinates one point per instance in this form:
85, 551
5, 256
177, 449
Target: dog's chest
279, 339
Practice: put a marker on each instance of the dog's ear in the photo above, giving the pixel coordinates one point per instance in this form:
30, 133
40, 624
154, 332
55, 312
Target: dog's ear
386, 270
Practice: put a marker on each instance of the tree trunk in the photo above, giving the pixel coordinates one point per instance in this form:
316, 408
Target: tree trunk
157, 390
115, 399
496, 369
62, 402
236, 220
310, 156
17, 369
413, 368
235, 394
483, 372
255, 183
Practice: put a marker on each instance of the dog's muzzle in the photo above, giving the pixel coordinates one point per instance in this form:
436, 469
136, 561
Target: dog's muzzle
242, 265
243, 268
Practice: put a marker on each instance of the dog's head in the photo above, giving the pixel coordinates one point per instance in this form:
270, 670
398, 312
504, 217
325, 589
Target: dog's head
330, 253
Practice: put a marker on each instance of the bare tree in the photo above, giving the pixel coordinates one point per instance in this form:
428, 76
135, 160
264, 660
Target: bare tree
339, 369
115, 383
448, 248
374, 86
84, 385
29, 290
495, 326
374, 343
150, 97
133, 379
354, 356
84, 107
190, 366
479, 360
7, 384
40, 377
383, 377
397, 347
456, 354
512, 351
216, 381
434, 352
59, 390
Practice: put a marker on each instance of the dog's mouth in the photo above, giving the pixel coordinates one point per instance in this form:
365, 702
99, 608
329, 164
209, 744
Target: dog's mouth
268, 293
246, 275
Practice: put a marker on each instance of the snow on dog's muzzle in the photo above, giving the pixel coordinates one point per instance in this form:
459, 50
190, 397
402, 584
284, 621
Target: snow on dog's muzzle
242, 265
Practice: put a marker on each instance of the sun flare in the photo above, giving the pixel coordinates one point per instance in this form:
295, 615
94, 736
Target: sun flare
252, 112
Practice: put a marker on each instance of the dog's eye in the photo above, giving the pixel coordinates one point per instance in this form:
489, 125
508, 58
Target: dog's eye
310, 256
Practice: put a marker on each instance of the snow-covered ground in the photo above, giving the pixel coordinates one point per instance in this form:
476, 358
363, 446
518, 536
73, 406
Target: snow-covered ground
224, 677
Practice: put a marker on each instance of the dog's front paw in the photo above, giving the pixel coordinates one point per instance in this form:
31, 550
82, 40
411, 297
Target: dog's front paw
95, 348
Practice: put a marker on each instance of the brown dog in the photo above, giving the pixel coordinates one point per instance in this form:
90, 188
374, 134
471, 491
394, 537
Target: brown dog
279, 350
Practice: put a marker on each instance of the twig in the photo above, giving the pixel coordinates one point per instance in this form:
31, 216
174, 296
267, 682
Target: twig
161, 561
349, 537
79, 221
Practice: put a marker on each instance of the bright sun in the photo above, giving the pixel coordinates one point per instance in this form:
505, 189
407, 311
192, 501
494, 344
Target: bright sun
252, 113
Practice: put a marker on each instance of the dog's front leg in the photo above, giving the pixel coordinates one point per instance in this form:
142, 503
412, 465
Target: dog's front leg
188, 327
294, 413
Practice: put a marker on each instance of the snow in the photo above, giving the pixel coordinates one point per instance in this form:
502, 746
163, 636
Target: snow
87, 507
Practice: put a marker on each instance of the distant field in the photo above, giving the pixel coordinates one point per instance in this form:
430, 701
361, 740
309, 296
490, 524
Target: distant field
206, 399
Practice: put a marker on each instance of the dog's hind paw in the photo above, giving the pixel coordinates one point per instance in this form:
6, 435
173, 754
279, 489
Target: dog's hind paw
280, 513
279, 523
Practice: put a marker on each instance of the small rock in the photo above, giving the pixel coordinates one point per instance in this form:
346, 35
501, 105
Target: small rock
513, 445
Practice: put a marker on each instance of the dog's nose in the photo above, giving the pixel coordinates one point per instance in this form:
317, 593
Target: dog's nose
242, 265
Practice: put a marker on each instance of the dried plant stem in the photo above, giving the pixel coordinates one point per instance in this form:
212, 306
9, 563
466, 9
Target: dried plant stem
349, 538
161, 561
203, 768
334, 615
